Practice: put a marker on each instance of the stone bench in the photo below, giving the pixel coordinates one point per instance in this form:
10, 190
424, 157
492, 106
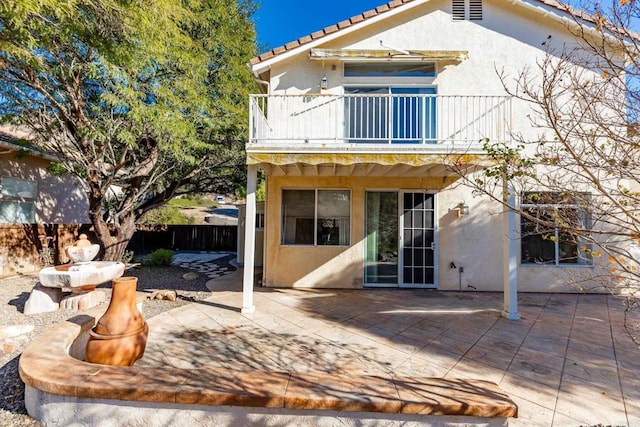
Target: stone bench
61, 388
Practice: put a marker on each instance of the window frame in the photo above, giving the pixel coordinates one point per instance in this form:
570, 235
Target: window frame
557, 240
315, 217
19, 200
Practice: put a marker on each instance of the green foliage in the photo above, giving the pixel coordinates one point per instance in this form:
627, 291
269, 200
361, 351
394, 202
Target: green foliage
148, 96
191, 201
166, 215
127, 257
509, 162
161, 257
56, 169
261, 190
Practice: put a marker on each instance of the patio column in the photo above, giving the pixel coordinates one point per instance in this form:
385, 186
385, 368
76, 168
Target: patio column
249, 241
510, 253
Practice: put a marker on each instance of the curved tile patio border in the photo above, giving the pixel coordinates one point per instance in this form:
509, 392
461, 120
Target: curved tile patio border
48, 366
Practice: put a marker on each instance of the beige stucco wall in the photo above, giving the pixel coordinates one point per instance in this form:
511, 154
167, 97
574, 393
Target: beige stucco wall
474, 242
342, 267
508, 40
59, 200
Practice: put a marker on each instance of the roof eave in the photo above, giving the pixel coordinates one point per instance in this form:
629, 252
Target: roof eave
329, 34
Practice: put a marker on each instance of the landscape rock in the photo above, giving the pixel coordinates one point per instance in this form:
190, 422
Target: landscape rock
165, 294
190, 276
43, 300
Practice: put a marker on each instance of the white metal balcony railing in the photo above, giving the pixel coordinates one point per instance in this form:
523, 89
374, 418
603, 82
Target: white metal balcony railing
408, 119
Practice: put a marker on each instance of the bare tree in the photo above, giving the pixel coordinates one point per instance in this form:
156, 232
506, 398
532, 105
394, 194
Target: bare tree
579, 181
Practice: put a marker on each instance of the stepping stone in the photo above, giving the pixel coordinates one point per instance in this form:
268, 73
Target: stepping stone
12, 331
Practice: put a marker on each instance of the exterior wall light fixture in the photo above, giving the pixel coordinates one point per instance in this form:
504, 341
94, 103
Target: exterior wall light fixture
323, 83
461, 209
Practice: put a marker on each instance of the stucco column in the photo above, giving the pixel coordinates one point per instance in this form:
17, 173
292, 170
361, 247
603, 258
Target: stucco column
510, 254
249, 241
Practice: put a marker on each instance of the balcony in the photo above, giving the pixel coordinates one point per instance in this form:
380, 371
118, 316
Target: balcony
380, 122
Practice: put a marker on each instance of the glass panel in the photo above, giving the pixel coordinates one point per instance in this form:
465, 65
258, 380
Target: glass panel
551, 236
381, 244
428, 201
408, 276
366, 115
418, 275
334, 210
418, 257
388, 69
17, 213
407, 238
407, 255
16, 187
298, 208
428, 275
538, 246
418, 241
414, 115
417, 219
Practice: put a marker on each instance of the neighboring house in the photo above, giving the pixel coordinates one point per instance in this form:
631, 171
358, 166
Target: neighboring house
29, 193
355, 130
30, 197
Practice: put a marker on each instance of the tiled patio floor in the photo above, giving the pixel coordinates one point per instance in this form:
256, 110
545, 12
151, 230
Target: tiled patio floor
567, 362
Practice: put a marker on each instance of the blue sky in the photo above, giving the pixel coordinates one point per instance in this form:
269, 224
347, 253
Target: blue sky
281, 21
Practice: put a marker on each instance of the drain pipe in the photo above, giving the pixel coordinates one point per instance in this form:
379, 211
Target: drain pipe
460, 271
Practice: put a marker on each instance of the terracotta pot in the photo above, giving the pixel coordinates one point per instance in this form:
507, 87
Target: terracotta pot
120, 336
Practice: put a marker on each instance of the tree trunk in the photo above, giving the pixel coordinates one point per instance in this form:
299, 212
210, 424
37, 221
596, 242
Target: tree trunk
112, 238
118, 243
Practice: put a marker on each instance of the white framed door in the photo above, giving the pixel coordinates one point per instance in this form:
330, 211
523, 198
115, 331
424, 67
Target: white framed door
418, 254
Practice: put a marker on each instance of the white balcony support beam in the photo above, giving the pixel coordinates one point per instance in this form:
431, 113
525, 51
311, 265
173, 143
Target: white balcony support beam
249, 241
510, 257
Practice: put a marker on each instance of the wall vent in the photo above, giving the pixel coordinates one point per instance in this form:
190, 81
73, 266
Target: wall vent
475, 10
458, 10
466, 9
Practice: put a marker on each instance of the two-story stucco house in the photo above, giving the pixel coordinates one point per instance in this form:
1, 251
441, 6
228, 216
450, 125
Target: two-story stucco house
355, 129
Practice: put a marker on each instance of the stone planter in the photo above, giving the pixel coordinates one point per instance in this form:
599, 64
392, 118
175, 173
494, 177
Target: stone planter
120, 336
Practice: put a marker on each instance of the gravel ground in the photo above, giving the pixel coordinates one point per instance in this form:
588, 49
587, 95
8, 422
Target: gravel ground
15, 291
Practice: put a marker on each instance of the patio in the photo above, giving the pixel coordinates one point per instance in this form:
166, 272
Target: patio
568, 361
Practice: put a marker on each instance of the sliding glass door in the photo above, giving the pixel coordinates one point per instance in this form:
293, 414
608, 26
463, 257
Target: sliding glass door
381, 238
400, 232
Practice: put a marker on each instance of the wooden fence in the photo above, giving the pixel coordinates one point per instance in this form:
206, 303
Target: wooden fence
184, 238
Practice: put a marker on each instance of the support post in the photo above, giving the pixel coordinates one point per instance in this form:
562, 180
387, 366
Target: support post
249, 241
510, 253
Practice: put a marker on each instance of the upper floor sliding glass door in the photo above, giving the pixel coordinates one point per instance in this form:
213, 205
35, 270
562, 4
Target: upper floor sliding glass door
397, 115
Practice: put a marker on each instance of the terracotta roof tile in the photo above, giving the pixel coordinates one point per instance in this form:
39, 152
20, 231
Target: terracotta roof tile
375, 12
331, 29
369, 13
292, 45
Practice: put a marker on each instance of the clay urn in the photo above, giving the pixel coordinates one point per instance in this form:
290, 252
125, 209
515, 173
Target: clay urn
120, 336
83, 250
